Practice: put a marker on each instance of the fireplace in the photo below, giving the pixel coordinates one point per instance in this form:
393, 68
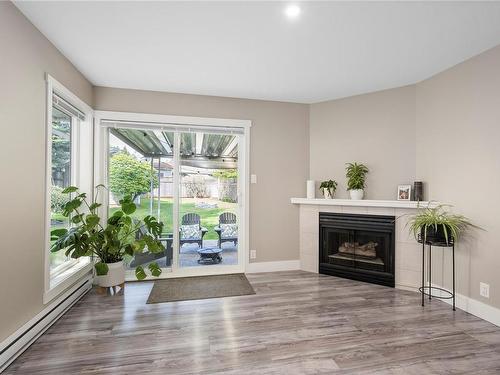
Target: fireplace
359, 247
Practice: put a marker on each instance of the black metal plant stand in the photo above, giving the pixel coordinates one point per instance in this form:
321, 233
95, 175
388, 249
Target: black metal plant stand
427, 290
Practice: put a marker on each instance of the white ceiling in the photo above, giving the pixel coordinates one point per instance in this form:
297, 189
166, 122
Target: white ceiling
251, 50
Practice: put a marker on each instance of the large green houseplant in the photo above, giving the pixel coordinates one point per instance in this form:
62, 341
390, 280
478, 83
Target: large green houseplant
356, 179
108, 242
438, 225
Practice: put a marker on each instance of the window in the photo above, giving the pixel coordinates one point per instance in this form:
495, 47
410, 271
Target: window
62, 176
69, 162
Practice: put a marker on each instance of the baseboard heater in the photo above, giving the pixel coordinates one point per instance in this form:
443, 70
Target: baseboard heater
20, 340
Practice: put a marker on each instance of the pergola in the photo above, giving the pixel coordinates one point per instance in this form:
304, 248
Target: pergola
197, 149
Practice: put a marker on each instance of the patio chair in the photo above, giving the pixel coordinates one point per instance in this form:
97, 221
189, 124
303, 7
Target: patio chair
227, 230
191, 230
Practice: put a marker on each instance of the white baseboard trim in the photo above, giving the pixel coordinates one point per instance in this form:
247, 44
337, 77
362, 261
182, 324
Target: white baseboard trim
283, 265
477, 308
20, 340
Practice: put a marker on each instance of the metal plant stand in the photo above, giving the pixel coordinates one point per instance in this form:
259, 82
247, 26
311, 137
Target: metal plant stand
427, 290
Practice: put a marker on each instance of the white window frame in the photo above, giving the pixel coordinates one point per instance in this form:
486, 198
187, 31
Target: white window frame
67, 274
160, 121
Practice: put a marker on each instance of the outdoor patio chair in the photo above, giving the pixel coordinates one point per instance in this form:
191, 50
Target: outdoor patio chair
227, 230
191, 230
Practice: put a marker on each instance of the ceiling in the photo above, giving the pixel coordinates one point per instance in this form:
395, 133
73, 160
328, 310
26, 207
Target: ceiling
252, 50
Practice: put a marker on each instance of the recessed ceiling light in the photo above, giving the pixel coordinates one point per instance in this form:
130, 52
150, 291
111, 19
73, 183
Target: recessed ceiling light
292, 11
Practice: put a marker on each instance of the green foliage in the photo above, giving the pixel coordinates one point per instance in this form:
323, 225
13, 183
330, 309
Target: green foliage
129, 176
356, 176
330, 185
226, 173
453, 225
101, 268
61, 145
209, 216
57, 199
109, 241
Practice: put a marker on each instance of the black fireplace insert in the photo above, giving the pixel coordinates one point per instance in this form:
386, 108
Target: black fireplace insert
359, 247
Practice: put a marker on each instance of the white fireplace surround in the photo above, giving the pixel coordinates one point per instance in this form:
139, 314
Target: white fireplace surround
408, 252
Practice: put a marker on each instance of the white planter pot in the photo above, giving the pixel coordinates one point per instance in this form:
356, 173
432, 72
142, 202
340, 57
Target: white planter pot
326, 194
115, 276
357, 194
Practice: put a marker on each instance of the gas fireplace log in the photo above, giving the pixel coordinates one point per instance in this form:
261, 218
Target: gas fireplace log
367, 250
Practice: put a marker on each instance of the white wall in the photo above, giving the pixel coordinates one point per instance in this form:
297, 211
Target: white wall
444, 131
377, 129
25, 56
458, 155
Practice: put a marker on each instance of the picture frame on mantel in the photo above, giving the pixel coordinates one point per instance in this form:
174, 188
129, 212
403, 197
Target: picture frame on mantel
404, 192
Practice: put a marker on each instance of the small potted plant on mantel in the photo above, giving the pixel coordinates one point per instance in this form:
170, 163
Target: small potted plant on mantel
328, 188
438, 225
109, 242
356, 179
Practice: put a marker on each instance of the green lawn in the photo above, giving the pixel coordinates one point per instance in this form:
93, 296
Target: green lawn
209, 217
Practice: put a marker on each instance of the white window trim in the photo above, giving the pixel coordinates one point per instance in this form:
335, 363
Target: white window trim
57, 282
155, 120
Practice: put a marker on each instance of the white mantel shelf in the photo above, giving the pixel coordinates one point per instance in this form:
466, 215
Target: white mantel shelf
363, 203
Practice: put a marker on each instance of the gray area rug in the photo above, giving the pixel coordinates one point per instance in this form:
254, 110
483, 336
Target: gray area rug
200, 287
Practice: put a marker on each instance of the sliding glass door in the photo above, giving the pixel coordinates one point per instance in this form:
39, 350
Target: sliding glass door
140, 165
208, 199
190, 178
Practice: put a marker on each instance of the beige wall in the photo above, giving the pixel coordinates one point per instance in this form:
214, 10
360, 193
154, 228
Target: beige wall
25, 56
458, 156
377, 129
279, 156
444, 131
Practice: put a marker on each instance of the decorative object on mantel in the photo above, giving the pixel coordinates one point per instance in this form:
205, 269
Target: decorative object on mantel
404, 192
418, 191
328, 187
356, 179
110, 242
311, 189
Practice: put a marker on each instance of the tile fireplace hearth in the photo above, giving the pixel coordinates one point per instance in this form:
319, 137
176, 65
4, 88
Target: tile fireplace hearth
407, 259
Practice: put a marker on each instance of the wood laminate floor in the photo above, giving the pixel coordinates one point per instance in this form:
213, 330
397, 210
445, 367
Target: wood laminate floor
297, 323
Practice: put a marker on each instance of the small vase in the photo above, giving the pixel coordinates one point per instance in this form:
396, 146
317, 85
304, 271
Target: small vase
357, 194
327, 194
115, 276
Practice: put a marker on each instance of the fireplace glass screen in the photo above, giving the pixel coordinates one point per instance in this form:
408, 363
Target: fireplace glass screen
357, 246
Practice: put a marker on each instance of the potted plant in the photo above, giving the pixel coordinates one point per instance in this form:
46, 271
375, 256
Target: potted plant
109, 242
437, 225
356, 179
328, 187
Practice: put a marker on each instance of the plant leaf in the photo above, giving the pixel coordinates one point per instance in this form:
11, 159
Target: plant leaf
155, 269
58, 232
93, 206
101, 268
139, 273
70, 189
92, 220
